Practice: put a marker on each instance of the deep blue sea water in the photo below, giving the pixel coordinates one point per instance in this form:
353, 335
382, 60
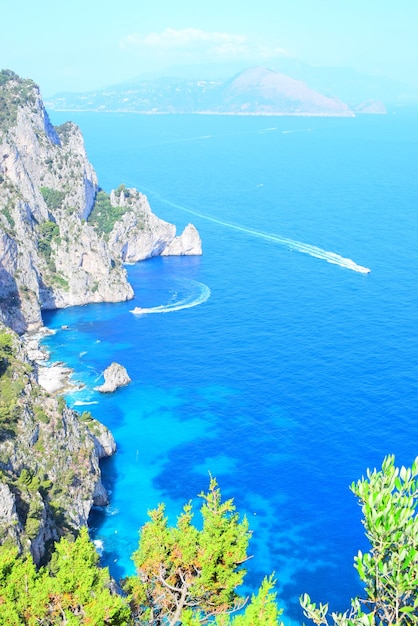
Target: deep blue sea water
298, 372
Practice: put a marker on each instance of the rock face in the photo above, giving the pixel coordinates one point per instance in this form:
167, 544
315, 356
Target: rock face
115, 376
53, 253
49, 457
49, 256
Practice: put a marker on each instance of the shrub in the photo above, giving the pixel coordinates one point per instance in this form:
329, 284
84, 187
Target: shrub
53, 198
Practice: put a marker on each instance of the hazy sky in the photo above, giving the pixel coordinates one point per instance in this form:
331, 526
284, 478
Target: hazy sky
85, 44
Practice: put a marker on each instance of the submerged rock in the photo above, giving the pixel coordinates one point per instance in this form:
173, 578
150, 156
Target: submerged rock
115, 376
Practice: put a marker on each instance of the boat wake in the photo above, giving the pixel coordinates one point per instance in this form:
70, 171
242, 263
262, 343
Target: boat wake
291, 244
199, 293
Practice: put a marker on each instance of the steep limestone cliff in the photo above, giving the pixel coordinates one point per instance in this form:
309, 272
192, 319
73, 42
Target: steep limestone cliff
54, 251
49, 256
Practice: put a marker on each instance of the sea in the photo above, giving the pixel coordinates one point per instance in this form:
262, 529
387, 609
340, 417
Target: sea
276, 362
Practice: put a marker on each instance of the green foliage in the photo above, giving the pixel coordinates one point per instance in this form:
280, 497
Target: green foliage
23, 593
61, 404
14, 92
47, 233
123, 188
40, 414
6, 350
74, 591
11, 386
7, 214
25, 479
389, 500
64, 131
60, 281
53, 198
189, 576
6, 76
104, 216
262, 610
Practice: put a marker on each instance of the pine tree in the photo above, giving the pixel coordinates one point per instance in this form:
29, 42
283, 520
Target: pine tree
76, 591
189, 576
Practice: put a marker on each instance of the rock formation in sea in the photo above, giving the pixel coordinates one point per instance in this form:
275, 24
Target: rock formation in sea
115, 376
138, 234
63, 241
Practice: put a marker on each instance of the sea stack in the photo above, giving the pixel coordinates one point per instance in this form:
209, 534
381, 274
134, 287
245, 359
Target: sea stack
115, 376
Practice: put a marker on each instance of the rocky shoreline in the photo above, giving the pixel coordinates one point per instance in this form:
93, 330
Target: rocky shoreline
54, 378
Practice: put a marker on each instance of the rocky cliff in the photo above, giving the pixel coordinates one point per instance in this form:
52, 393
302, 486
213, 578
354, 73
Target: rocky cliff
56, 246
49, 457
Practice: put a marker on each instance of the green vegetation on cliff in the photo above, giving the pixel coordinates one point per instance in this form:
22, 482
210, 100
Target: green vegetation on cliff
11, 100
53, 197
48, 463
47, 233
104, 215
12, 382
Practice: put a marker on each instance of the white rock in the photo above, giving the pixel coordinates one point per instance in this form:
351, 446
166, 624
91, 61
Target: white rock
188, 242
54, 378
115, 376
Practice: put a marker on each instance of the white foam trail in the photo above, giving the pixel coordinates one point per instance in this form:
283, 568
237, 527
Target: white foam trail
292, 244
185, 303
297, 130
81, 403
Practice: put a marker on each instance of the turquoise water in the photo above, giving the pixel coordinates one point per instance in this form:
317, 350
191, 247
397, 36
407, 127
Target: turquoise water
273, 361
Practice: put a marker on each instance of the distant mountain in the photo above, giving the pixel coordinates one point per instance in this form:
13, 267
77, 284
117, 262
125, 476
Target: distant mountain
260, 90
254, 91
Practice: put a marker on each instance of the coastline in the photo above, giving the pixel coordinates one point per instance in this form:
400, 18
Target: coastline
350, 114
54, 378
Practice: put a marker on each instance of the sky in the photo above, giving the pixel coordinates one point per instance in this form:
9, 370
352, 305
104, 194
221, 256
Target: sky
81, 45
